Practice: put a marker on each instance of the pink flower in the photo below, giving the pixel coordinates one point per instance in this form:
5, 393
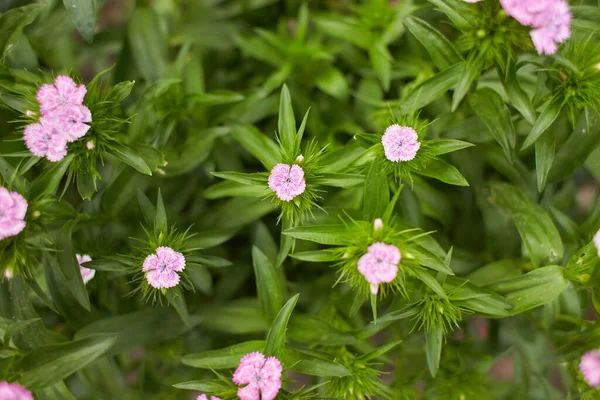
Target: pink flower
262, 376
379, 264
86, 273
161, 268
14, 391
203, 397
71, 120
287, 181
471, 1
590, 367
64, 91
44, 139
400, 143
12, 213
551, 20
597, 242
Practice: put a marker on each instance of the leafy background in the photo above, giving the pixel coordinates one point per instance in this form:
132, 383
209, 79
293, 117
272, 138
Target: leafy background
208, 77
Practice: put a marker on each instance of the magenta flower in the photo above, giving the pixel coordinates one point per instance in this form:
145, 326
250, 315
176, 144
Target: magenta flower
400, 143
590, 367
63, 92
379, 264
262, 376
86, 273
14, 391
287, 181
45, 140
203, 397
12, 213
161, 268
551, 20
597, 242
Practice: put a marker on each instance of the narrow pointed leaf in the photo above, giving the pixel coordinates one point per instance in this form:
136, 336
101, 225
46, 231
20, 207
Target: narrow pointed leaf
268, 285
276, 338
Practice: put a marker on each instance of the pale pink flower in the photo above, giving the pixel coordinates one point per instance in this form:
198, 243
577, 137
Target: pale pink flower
400, 143
44, 139
8, 274
14, 391
86, 273
161, 268
471, 1
64, 91
287, 181
262, 376
597, 242
203, 397
71, 121
378, 224
590, 367
379, 264
551, 20
13, 208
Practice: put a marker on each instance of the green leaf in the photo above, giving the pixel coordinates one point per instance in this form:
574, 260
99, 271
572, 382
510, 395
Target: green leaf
441, 170
324, 234
276, 337
496, 271
268, 285
428, 280
48, 182
539, 235
209, 261
467, 79
460, 13
229, 357
286, 123
207, 386
533, 289
441, 50
316, 256
433, 349
379, 352
236, 189
69, 265
12, 23
376, 192
148, 209
120, 91
86, 184
106, 265
517, 96
177, 300
544, 157
381, 60
488, 105
433, 88
345, 29
306, 328
83, 13
52, 363
234, 319
257, 144
148, 43
126, 155
444, 146
160, 219
216, 97
333, 82
308, 365
550, 112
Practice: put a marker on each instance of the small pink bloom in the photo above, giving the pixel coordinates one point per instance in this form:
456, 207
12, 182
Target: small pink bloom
590, 367
86, 273
161, 268
71, 121
13, 208
203, 397
287, 181
14, 391
400, 143
63, 91
44, 140
262, 376
8, 274
379, 264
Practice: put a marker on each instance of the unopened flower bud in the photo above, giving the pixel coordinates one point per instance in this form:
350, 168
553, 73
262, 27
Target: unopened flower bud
29, 114
89, 144
378, 224
300, 159
8, 274
36, 214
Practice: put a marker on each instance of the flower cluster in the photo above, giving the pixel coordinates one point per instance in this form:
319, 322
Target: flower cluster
161, 268
287, 181
63, 119
590, 367
379, 264
86, 273
261, 375
14, 391
550, 20
13, 208
400, 143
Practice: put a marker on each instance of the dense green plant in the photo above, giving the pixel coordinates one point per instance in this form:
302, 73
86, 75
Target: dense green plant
385, 199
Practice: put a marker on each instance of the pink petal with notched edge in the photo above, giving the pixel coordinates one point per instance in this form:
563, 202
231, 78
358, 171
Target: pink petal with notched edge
400, 143
269, 389
249, 365
590, 367
385, 252
271, 369
250, 392
14, 391
286, 181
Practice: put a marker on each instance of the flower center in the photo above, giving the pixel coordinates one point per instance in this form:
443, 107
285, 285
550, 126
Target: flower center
163, 267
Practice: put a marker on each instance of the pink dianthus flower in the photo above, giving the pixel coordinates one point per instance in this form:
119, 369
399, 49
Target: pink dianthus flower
13, 208
161, 268
379, 264
86, 273
287, 181
203, 397
262, 376
400, 143
71, 121
590, 367
44, 139
14, 391
64, 91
